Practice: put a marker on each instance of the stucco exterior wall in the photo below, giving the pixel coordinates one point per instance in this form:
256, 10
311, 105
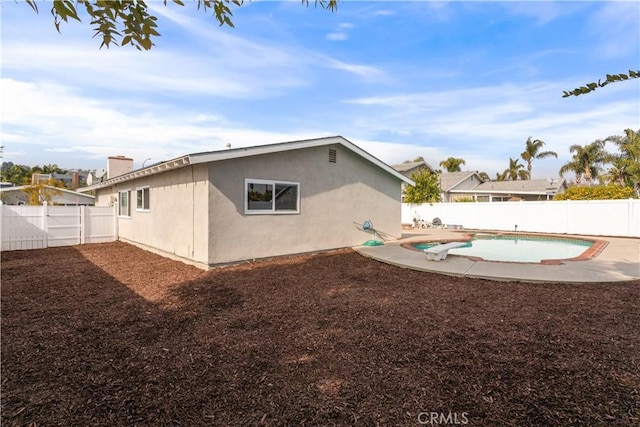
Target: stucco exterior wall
177, 221
332, 197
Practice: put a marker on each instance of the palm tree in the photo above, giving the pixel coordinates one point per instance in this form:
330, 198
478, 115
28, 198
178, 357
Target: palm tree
617, 172
17, 174
51, 168
485, 176
501, 176
532, 152
515, 170
452, 164
575, 167
626, 164
586, 161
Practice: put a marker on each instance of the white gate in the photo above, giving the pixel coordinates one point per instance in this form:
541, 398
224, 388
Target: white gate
35, 227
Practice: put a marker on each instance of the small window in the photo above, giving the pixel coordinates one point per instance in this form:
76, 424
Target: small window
271, 197
123, 203
142, 199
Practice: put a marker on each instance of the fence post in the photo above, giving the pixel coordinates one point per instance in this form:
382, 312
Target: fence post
1, 224
115, 221
83, 225
45, 225
629, 216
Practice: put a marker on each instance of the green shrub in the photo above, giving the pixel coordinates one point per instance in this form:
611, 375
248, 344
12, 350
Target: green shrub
464, 199
598, 192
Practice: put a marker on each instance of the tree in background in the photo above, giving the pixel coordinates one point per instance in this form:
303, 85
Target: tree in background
452, 164
52, 168
426, 190
128, 22
18, 174
417, 159
625, 166
587, 161
532, 152
43, 191
514, 171
485, 176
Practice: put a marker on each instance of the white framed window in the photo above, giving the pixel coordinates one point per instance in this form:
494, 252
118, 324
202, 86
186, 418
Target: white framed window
142, 199
124, 207
271, 197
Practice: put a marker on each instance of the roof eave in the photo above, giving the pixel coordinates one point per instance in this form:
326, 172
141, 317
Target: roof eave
149, 170
295, 145
212, 156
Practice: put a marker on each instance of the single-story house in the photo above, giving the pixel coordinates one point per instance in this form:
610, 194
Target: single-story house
59, 196
237, 204
408, 168
454, 183
502, 191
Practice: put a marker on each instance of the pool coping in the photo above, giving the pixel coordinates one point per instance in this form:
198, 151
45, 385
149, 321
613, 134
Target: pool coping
591, 252
616, 259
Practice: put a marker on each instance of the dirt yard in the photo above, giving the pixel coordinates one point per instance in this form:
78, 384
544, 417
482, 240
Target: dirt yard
112, 335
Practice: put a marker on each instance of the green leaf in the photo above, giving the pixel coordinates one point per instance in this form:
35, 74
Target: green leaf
33, 5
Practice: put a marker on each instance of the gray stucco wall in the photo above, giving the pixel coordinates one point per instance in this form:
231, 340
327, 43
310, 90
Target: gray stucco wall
333, 197
467, 184
177, 221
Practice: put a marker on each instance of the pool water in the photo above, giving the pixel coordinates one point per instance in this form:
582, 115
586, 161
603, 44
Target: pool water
518, 249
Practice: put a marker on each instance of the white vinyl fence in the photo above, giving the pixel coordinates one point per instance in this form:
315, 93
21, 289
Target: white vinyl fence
35, 227
590, 217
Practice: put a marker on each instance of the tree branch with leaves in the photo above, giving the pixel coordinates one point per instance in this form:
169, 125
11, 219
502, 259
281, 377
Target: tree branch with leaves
128, 22
610, 78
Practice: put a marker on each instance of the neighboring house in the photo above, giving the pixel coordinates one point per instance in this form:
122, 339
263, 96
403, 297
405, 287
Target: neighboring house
456, 182
71, 180
408, 168
64, 197
241, 204
500, 191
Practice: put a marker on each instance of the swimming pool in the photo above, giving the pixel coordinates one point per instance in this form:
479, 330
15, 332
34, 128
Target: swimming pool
512, 248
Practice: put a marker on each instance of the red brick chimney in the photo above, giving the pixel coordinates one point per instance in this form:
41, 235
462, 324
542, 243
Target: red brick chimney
75, 180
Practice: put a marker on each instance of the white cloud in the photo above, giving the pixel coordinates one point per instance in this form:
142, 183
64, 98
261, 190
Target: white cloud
383, 12
489, 124
337, 37
363, 71
92, 130
341, 34
543, 11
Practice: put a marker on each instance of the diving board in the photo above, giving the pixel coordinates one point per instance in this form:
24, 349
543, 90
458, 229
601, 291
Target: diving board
440, 252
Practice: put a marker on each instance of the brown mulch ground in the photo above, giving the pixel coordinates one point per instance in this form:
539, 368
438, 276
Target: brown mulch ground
110, 334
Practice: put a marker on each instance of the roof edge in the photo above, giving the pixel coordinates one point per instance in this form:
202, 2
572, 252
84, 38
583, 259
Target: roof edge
157, 168
212, 156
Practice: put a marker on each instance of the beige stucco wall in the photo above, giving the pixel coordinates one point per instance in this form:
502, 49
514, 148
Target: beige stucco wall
177, 221
333, 197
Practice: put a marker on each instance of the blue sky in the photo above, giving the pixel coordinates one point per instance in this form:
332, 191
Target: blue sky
399, 79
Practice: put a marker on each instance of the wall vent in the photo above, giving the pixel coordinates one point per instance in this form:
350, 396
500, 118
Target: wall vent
332, 155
